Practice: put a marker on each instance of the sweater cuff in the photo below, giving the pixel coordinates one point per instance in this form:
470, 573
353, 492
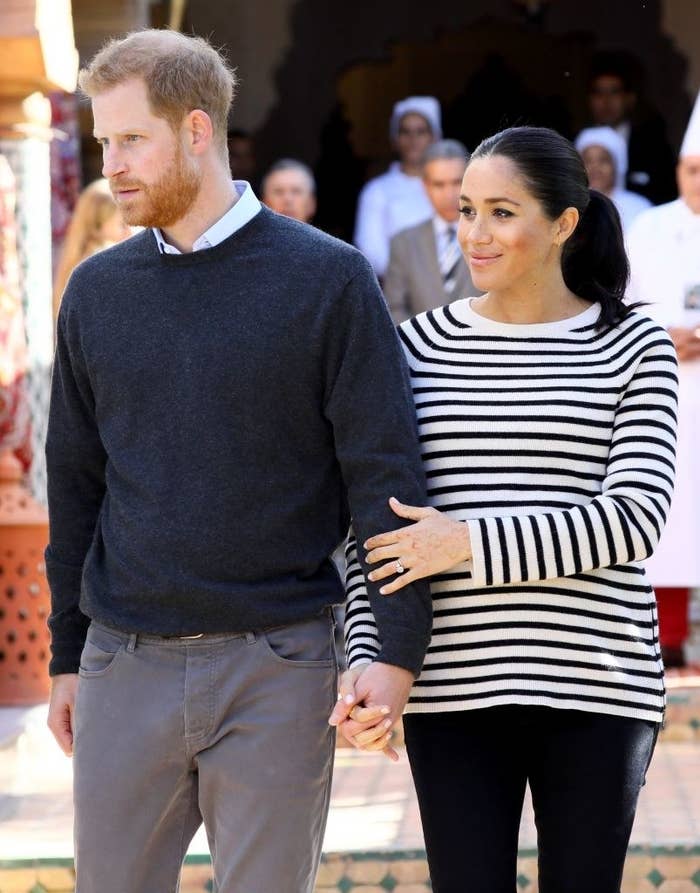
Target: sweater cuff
408, 653
65, 659
477, 530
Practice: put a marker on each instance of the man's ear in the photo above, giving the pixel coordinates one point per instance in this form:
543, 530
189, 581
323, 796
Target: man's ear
199, 131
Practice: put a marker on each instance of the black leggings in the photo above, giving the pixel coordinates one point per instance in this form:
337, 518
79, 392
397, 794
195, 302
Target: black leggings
585, 772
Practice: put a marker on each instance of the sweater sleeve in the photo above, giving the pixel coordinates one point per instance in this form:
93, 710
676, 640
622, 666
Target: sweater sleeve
620, 525
361, 634
370, 406
75, 461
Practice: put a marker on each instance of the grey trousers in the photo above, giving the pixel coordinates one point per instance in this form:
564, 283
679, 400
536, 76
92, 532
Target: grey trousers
227, 730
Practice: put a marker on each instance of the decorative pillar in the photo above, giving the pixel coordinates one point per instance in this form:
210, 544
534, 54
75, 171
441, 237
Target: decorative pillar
37, 56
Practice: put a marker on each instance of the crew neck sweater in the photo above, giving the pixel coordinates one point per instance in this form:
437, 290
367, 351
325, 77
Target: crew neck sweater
215, 419
554, 443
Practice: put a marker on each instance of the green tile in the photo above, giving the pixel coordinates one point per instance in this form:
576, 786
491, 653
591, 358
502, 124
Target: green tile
655, 877
345, 885
696, 878
38, 888
694, 723
523, 881
388, 883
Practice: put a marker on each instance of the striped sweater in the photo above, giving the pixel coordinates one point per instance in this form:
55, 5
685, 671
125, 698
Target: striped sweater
554, 443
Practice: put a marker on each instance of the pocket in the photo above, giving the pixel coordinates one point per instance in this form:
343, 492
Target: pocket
306, 644
100, 653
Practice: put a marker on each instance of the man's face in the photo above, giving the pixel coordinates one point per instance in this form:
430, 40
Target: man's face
289, 192
688, 178
610, 102
241, 157
414, 137
152, 178
442, 179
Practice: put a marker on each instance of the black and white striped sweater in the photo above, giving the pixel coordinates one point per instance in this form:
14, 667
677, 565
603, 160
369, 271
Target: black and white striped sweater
555, 443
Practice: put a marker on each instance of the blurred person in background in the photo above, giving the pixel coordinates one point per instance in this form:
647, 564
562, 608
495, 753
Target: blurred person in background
664, 252
290, 189
615, 100
604, 154
426, 266
241, 156
96, 224
397, 199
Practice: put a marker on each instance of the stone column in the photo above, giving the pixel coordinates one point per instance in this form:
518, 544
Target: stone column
37, 56
25, 145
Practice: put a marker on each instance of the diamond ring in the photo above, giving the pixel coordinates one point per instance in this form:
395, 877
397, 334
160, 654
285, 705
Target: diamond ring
399, 567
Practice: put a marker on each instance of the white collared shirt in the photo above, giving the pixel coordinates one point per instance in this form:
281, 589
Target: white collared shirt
440, 227
236, 217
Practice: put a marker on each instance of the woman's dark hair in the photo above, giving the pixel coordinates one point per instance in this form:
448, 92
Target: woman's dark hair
594, 262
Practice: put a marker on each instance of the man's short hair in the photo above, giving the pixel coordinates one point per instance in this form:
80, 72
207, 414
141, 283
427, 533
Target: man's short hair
444, 150
290, 164
181, 73
617, 64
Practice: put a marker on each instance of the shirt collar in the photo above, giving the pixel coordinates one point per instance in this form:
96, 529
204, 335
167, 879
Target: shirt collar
440, 226
236, 217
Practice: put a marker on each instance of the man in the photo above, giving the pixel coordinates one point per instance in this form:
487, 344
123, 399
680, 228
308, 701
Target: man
227, 389
241, 155
614, 101
426, 267
397, 198
664, 252
290, 189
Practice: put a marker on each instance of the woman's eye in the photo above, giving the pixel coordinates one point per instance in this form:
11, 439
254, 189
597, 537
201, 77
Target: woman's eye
467, 211
502, 212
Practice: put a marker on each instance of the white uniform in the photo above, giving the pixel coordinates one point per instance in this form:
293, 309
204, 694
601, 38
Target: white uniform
388, 204
664, 251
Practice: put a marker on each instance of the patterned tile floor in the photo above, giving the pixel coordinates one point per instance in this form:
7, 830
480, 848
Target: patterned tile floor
373, 806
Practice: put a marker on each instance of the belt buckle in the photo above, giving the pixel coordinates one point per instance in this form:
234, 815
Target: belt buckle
198, 636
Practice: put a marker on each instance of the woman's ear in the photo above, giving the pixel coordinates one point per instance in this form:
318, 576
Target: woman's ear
565, 224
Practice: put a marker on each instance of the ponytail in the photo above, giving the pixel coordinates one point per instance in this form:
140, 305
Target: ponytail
594, 262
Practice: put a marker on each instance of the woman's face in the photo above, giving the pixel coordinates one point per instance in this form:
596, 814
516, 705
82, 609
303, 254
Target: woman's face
414, 137
506, 238
600, 168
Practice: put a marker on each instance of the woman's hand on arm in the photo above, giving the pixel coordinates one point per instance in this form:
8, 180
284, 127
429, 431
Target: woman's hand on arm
432, 545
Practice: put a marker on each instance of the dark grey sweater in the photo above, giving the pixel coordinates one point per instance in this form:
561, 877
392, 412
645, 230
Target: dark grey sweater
216, 418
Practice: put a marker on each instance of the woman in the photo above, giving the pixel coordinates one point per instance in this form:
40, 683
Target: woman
96, 224
546, 410
604, 154
397, 198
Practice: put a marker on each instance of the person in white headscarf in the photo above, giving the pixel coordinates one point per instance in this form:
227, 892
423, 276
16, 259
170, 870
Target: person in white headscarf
397, 199
604, 154
664, 253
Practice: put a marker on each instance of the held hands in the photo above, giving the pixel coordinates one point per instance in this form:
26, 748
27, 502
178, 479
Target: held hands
370, 702
432, 545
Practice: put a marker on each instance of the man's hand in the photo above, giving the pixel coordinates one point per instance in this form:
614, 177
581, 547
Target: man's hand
371, 701
61, 709
686, 342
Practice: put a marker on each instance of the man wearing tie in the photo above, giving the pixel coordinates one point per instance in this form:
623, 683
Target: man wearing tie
426, 267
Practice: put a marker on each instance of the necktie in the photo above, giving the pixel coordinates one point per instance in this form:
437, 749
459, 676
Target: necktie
449, 259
